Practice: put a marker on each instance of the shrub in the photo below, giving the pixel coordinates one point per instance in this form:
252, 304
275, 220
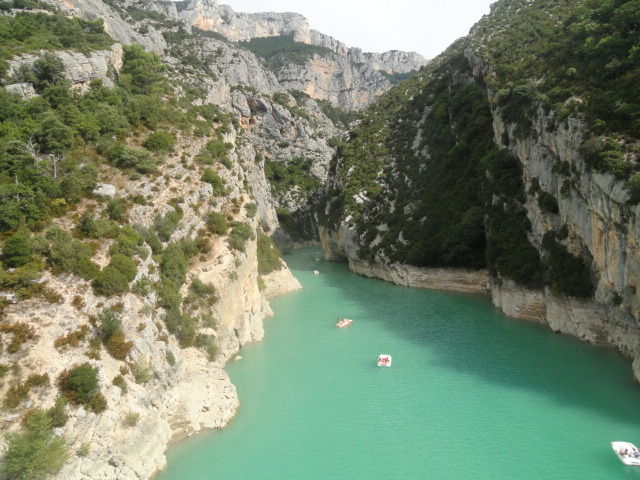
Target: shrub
68, 254
633, 185
251, 209
109, 323
217, 223
212, 178
141, 371
121, 383
165, 226
117, 210
72, 339
269, 257
173, 264
58, 414
127, 157
240, 233
80, 384
171, 359
118, 346
35, 380
159, 142
124, 265
110, 281
37, 453
16, 395
21, 333
97, 404
131, 419
17, 250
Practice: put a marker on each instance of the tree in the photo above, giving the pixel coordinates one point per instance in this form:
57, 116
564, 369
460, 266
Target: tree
48, 70
141, 71
37, 453
17, 250
54, 136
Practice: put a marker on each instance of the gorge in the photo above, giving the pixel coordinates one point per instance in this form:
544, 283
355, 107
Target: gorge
154, 155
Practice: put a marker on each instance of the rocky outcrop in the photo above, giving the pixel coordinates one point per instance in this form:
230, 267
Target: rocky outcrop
279, 282
79, 68
115, 25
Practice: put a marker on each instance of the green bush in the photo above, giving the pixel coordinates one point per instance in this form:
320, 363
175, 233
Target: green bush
166, 225
37, 453
80, 384
58, 414
17, 250
110, 281
124, 265
117, 210
212, 178
269, 257
159, 142
173, 264
108, 323
251, 209
70, 255
217, 223
240, 233
634, 189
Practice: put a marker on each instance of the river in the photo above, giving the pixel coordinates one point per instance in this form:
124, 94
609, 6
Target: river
471, 394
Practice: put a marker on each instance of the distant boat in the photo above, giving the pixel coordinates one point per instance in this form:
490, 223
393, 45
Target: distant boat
344, 322
316, 272
384, 360
627, 452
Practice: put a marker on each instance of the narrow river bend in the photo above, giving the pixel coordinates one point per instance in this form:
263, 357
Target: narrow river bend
471, 394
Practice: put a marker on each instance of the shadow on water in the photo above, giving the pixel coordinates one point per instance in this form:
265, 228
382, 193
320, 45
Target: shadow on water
530, 356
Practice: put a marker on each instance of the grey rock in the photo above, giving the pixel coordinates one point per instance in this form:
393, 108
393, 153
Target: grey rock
105, 190
25, 90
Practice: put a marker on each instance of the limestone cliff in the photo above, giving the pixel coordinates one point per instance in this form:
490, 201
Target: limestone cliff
346, 77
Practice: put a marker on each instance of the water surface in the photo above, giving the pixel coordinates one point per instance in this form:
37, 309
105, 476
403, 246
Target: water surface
471, 394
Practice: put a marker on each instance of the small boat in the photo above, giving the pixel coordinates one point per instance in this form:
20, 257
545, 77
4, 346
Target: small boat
316, 272
344, 322
627, 452
384, 360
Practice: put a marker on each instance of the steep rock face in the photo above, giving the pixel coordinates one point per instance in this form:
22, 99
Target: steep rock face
546, 210
115, 26
79, 68
348, 78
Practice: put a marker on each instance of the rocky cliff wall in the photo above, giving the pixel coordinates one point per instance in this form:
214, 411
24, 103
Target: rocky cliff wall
174, 392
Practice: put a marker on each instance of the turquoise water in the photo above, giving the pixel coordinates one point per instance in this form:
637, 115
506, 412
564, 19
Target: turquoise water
471, 394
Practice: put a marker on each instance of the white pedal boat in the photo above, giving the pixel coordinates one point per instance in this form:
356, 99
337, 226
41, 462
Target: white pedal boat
384, 360
627, 452
344, 322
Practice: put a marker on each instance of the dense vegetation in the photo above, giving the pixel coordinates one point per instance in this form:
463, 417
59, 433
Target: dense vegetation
279, 51
424, 184
575, 58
